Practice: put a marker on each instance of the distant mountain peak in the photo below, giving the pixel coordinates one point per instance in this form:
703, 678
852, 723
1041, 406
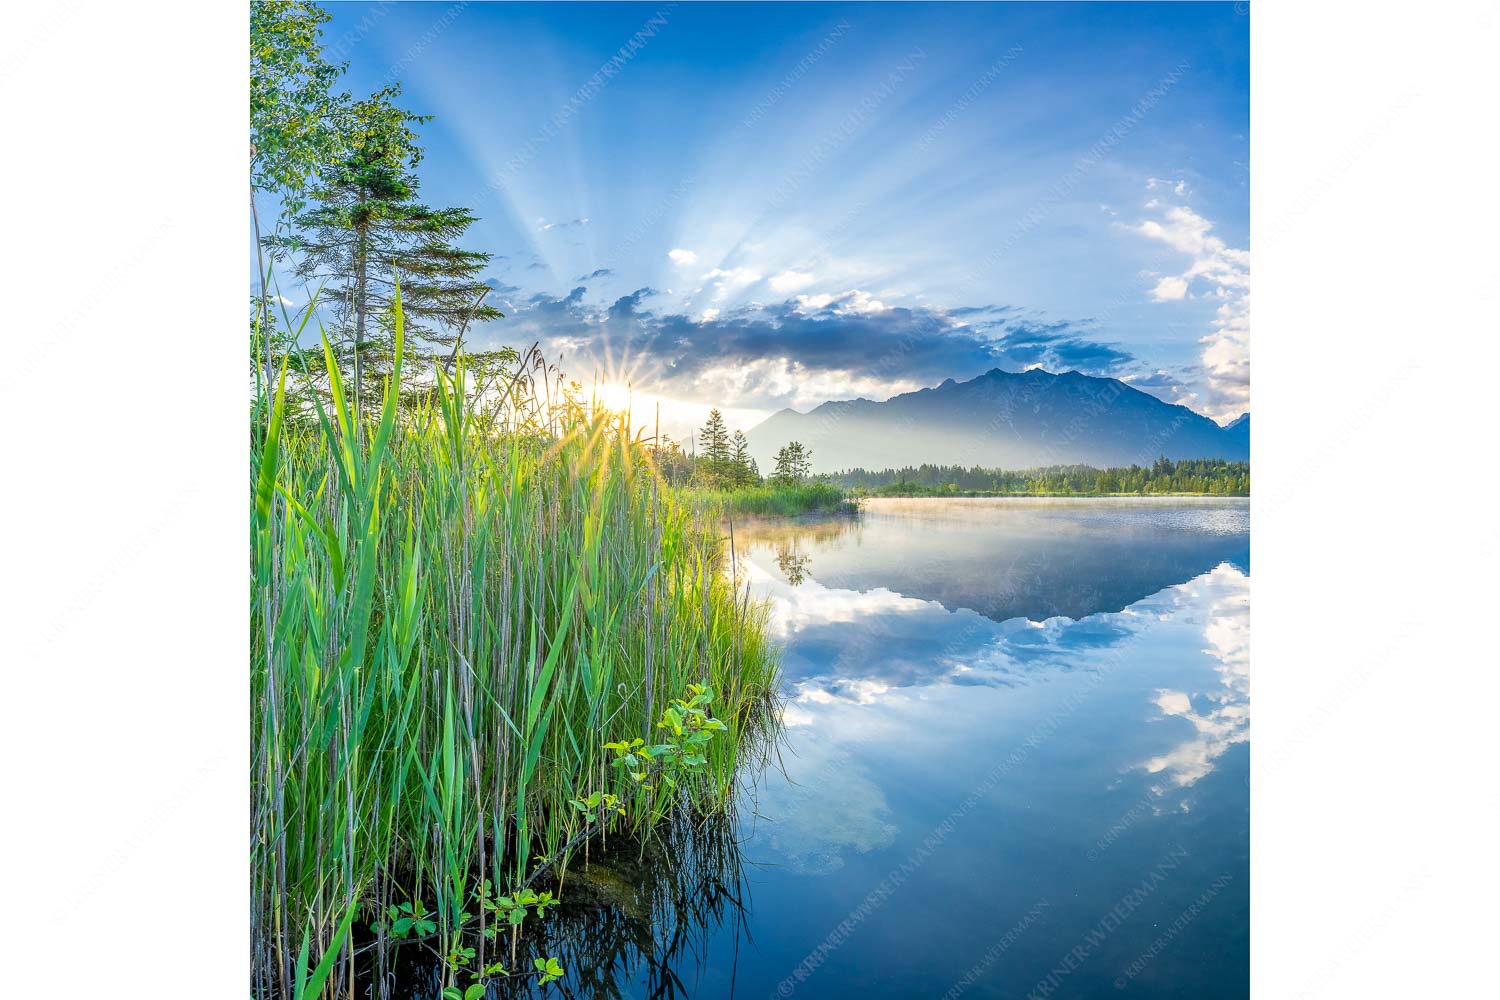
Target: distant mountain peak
1010, 420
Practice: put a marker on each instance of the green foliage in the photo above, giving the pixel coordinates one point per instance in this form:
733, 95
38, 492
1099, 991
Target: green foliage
1209, 477
547, 969
367, 227
742, 470
774, 500
407, 919
295, 116
714, 440
793, 464
451, 612
304, 985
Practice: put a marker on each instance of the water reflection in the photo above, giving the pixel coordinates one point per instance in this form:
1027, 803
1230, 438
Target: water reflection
1024, 557
966, 794
639, 919
1220, 716
1006, 770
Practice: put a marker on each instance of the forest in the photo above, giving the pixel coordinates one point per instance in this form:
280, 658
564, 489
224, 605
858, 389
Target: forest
1205, 476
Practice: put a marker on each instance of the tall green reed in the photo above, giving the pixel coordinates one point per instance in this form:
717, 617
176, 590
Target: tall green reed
454, 606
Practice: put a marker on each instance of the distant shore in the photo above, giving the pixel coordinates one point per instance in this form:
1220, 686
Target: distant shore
974, 494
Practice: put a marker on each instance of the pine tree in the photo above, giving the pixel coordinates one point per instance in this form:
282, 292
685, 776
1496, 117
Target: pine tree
742, 466
367, 230
716, 454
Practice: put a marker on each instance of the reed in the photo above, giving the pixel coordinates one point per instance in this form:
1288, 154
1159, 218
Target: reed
454, 606
773, 500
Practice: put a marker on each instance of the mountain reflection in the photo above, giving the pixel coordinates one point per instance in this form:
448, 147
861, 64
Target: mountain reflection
1016, 557
908, 596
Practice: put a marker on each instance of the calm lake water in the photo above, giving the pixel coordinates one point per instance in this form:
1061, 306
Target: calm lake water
1015, 765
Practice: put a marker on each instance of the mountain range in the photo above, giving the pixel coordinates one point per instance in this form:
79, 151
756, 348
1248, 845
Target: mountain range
1004, 420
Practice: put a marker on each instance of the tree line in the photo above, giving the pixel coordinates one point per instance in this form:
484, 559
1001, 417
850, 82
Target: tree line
1210, 476
721, 460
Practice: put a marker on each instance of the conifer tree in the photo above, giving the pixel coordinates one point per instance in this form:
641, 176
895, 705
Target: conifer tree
793, 464
367, 229
742, 465
716, 454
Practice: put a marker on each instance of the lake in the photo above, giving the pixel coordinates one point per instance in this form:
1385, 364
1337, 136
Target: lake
1015, 764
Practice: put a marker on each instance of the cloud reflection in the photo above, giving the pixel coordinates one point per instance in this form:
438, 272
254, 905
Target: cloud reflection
1220, 717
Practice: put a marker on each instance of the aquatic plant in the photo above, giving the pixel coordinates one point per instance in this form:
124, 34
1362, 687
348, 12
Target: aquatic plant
773, 500
456, 603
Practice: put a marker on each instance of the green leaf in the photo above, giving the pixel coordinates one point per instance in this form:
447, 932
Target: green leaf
314, 985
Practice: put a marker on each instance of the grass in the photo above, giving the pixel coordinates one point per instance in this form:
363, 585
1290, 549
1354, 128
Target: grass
774, 500
452, 610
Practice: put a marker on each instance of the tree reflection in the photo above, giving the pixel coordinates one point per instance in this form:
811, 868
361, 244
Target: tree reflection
792, 562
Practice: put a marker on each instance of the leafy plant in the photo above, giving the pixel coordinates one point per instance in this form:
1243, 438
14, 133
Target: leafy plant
474, 992
406, 918
547, 969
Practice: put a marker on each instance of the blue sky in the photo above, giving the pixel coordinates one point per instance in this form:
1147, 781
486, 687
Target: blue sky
756, 205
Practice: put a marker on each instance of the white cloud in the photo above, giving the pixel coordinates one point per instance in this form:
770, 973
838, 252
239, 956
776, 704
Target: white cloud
546, 226
1225, 273
681, 257
791, 281
731, 279
738, 274
708, 315
1169, 288
854, 301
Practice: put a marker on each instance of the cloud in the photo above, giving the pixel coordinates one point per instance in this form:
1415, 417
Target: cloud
545, 226
682, 258
1169, 288
791, 281
729, 280
1221, 272
602, 272
1164, 385
798, 352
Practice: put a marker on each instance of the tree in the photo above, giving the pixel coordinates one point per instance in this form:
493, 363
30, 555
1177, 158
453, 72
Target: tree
742, 466
793, 464
295, 117
716, 455
367, 230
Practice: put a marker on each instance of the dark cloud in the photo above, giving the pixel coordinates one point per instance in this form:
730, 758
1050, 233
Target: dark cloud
602, 272
536, 266
965, 311
852, 334
502, 287
1059, 347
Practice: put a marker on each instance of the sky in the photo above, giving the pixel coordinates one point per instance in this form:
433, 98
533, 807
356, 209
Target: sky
754, 206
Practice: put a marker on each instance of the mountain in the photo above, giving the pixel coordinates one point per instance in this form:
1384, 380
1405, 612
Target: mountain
1240, 428
1004, 420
